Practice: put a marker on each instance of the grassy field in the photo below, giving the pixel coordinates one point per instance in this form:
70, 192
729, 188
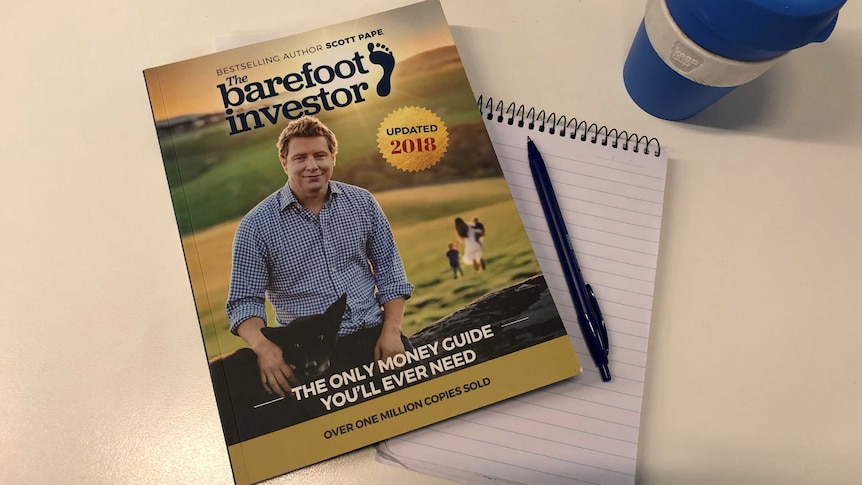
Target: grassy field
422, 221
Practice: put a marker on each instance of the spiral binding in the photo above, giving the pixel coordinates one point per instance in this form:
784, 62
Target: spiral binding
575, 129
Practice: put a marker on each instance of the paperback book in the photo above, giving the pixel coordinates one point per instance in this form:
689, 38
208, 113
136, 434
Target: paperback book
358, 265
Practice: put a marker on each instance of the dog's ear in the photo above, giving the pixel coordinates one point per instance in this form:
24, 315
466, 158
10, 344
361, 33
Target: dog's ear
270, 333
277, 335
336, 310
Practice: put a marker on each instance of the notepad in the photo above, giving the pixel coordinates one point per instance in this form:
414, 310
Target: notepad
610, 186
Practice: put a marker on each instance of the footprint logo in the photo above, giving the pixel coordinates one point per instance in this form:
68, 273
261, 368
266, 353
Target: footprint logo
386, 61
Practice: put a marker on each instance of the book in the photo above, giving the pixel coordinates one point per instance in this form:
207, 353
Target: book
332, 188
610, 186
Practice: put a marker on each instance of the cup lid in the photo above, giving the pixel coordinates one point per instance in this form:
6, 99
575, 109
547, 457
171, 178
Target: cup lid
765, 25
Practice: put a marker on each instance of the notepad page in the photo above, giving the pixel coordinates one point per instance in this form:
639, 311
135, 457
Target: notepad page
582, 430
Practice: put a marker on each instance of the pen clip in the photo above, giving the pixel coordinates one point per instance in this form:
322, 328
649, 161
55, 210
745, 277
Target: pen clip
601, 322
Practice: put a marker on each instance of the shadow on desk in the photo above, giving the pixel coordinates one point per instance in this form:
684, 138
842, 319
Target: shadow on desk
812, 94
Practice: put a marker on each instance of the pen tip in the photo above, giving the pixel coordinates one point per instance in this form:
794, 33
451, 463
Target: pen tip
605, 372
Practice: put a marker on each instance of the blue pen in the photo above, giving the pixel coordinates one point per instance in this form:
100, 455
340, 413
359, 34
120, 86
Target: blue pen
586, 306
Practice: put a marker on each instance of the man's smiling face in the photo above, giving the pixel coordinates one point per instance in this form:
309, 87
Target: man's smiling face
308, 165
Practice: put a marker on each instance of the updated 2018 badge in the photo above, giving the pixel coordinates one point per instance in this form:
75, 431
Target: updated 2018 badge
412, 138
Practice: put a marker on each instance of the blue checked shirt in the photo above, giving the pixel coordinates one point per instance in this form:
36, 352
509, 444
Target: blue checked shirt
303, 262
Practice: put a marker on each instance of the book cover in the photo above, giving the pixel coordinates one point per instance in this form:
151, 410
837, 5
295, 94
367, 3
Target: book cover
358, 265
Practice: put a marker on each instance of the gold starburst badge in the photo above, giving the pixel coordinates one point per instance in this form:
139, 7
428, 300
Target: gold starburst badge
412, 138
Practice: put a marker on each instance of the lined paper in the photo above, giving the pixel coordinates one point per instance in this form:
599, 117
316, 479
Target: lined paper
582, 430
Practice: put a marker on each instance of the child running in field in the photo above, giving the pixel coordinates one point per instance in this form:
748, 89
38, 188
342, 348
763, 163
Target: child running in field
454, 260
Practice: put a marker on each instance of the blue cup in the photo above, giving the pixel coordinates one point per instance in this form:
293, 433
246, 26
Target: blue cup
688, 54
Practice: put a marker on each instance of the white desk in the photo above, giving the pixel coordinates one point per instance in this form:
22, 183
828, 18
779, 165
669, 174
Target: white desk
756, 347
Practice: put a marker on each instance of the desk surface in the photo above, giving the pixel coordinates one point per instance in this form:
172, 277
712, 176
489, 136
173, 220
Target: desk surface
755, 346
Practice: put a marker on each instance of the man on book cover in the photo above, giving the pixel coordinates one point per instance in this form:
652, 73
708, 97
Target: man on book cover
302, 247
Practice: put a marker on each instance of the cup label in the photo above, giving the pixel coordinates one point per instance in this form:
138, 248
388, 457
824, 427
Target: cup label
684, 59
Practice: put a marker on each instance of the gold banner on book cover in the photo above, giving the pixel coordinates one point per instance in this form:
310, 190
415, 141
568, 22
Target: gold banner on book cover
420, 405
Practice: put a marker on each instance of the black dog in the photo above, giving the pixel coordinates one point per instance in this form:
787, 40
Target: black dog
246, 409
